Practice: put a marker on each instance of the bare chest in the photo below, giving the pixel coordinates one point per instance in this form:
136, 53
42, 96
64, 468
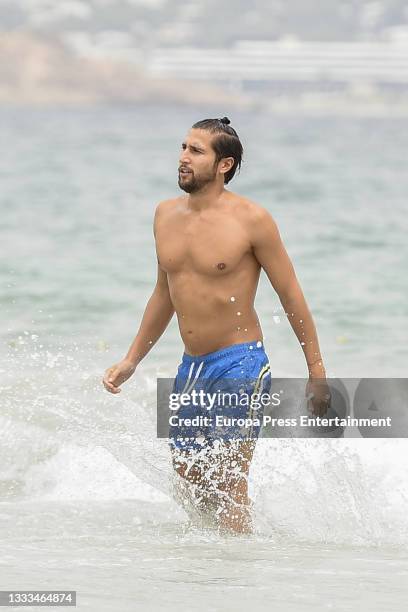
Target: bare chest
206, 246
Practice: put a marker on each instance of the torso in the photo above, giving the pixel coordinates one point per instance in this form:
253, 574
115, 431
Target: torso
212, 272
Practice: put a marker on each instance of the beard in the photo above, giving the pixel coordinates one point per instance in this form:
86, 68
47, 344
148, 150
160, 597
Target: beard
190, 183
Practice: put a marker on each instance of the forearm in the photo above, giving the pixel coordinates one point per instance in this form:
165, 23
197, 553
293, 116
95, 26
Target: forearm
157, 315
303, 325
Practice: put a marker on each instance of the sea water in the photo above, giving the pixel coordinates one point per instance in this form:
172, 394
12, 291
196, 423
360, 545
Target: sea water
85, 485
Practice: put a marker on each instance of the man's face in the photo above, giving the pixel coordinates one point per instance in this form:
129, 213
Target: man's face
197, 166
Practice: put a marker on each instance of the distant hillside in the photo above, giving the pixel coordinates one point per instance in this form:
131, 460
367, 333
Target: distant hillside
42, 71
91, 51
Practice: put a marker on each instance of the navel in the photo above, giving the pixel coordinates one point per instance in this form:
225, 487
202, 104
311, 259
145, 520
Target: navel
221, 266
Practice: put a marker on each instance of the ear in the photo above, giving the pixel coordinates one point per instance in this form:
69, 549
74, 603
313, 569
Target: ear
226, 163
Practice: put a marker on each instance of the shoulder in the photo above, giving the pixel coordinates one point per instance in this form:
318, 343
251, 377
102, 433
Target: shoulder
255, 217
166, 208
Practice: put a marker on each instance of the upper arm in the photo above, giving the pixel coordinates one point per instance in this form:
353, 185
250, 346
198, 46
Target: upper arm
270, 252
162, 281
157, 214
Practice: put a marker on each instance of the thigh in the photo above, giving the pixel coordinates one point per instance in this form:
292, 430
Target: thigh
241, 398
230, 469
217, 461
188, 426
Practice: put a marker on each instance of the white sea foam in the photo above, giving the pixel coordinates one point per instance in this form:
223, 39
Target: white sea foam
84, 473
348, 491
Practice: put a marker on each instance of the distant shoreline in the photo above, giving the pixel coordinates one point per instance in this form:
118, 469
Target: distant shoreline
42, 72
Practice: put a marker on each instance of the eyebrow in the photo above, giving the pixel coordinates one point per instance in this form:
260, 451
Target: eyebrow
195, 145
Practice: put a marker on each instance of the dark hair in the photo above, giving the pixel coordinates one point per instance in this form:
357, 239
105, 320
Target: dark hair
225, 144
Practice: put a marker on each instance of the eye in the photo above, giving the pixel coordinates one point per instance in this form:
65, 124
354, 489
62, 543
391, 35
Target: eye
193, 149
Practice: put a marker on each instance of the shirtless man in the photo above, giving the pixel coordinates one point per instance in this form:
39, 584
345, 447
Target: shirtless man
211, 245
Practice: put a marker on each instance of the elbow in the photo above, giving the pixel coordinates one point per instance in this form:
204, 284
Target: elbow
291, 293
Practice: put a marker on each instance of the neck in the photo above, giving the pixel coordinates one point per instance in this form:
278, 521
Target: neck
208, 197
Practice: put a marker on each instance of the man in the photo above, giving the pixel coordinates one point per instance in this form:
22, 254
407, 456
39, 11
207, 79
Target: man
211, 245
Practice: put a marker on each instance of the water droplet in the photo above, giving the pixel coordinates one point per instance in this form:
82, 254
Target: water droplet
259, 344
246, 329
239, 314
232, 298
251, 347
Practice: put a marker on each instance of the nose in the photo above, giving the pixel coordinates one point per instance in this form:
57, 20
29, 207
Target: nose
184, 158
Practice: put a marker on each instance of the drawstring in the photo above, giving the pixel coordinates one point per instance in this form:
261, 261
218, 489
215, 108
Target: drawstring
200, 367
189, 376
187, 387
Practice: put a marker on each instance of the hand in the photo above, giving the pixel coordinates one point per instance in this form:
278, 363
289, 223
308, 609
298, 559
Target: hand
117, 374
318, 391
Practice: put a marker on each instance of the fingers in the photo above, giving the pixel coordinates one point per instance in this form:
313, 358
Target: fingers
320, 407
318, 398
317, 406
111, 388
109, 381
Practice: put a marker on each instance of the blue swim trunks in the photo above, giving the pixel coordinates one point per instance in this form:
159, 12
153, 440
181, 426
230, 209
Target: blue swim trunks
219, 396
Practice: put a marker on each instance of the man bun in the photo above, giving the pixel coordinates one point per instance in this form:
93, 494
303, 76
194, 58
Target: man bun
225, 142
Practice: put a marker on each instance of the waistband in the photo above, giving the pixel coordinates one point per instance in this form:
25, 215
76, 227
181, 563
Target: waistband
233, 349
